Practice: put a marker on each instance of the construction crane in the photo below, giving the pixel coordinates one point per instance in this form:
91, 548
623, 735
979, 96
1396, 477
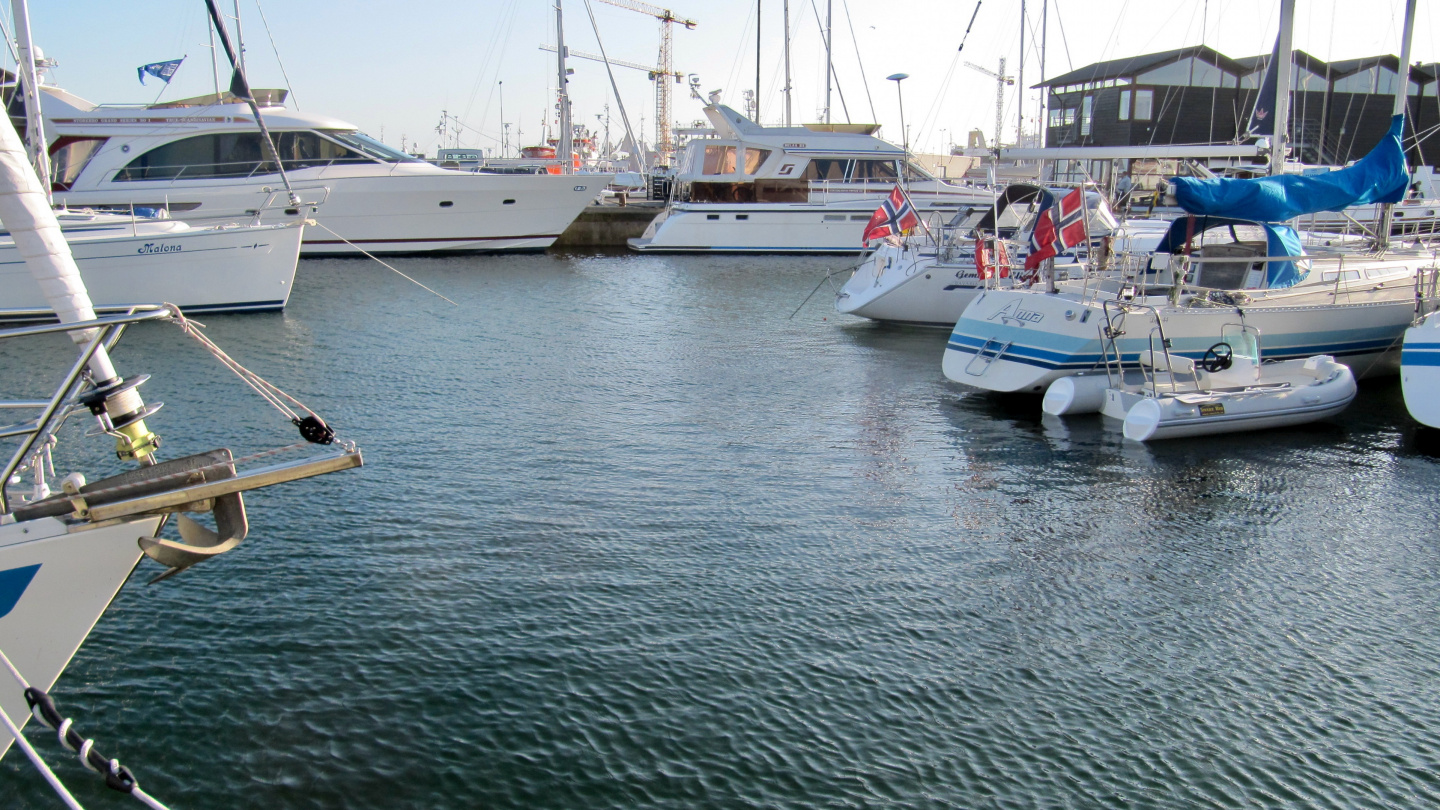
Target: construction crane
664, 144
1001, 82
654, 72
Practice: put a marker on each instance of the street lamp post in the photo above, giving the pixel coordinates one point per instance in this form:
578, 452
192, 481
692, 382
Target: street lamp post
904, 135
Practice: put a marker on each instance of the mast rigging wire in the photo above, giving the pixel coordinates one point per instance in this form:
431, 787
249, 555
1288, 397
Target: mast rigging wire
845, 4
288, 88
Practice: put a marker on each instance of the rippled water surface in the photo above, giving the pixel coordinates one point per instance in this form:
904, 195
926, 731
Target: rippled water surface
628, 536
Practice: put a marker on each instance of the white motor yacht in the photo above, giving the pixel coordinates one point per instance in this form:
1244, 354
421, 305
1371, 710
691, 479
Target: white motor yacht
807, 189
201, 160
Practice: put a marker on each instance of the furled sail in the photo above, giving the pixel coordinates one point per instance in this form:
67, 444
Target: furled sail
1262, 116
1379, 177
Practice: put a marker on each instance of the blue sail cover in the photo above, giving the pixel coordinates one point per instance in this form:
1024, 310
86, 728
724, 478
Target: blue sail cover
1280, 240
1380, 176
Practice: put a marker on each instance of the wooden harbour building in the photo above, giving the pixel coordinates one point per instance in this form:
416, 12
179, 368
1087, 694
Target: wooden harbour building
1197, 95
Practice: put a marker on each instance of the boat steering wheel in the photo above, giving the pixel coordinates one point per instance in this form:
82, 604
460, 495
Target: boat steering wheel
1218, 358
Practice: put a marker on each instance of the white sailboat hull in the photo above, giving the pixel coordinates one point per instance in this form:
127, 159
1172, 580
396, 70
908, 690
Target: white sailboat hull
242, 269
1420, 371
1021, 341
55, 581
904, 285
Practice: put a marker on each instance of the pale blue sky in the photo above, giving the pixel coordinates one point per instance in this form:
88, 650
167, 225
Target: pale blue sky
392, 67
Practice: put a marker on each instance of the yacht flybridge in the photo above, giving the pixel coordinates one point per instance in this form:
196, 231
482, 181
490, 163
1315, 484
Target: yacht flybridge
807, 189
201, 159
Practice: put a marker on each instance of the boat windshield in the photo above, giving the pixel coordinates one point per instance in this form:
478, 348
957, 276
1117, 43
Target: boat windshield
369, 146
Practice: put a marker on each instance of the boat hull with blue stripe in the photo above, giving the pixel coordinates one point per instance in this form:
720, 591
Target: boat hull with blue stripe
1420, 371
1021, 340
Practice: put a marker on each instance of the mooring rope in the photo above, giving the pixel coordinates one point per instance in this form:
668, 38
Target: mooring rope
42, 707
391, 268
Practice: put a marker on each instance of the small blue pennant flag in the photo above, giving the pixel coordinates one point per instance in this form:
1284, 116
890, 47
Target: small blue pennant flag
163, 71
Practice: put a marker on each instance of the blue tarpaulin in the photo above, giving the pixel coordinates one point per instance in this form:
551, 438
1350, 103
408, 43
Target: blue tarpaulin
1379, 177
1280, 240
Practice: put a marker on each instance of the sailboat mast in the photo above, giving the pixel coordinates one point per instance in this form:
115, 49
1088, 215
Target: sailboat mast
1020, 85
787, 62
1402, 90
1284, 61
239, 37
757, 60
1042, 122
829, 4
34, 119
563, 147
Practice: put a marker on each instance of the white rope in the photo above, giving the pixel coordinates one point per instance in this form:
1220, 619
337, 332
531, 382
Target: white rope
391, 268
39, 763
84, 751
25, 746
147, 799
265, 389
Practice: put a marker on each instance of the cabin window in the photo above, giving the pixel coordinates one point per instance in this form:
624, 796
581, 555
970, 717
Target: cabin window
366, 145
68, 157
1062, 116
1124, 105
234, 154
915, 174
1144, 103
228, 154
826, 169
719, 160
880, 170
299, 150
754, 159
1087, 109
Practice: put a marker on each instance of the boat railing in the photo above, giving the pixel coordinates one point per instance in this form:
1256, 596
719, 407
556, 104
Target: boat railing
1427, 290
39, 431
1112, 327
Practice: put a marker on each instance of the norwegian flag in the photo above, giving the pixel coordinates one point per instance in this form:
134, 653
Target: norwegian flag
894, 216
1057, 228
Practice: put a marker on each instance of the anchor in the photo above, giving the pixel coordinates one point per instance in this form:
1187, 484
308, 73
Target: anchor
201, 543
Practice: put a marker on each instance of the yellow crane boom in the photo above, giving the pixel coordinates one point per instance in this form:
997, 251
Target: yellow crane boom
664, 144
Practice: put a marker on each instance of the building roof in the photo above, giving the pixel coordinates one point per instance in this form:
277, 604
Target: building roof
1131, 65
1262, 61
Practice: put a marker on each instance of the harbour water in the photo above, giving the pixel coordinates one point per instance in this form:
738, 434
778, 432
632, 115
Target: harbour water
629, 536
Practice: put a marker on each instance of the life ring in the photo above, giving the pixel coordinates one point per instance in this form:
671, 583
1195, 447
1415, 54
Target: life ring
988, 264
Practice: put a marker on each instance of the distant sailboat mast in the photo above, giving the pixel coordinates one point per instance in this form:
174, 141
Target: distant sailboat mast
1402, 90
563, 146
787, 63
30, 79
1284, 49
